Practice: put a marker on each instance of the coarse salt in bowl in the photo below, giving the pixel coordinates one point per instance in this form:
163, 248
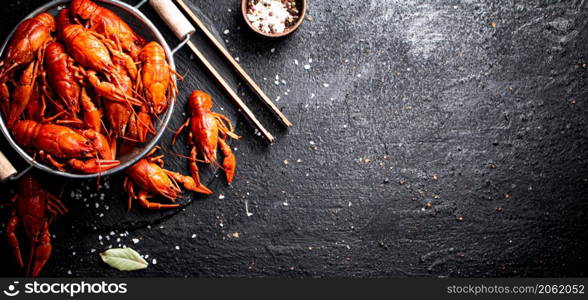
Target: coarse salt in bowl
274, 18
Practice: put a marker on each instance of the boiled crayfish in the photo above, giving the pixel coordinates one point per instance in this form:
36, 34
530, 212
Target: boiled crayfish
107, 23
85, 151
28, 40
153, 180
156, 77
34, 209
207, 132
25, 49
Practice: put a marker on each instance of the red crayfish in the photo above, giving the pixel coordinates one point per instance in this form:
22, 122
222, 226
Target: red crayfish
207, 132
152, 179
34, 209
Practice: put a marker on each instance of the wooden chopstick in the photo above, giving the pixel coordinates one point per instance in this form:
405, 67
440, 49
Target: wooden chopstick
236, 99
235, 64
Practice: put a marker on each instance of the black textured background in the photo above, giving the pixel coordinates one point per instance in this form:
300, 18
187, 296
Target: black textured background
477, 108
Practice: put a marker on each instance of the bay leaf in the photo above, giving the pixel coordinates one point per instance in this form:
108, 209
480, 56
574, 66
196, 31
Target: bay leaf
125, 259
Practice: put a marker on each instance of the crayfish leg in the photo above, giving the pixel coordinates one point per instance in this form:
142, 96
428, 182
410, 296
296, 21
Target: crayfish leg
42, 251
51, 160
226, 126
179, 130
13, 240
56, 206
194, 167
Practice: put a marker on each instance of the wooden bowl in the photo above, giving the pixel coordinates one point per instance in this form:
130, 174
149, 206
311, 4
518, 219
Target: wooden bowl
302, 9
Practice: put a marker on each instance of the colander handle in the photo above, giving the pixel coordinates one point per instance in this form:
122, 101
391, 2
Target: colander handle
173, 17
6, 168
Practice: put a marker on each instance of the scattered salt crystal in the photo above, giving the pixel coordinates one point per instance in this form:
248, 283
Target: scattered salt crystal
296, 62
194, 236
92, 250
112, 233
277, 98
154, 261
312, 95
68, 272
285, 203
311, 142
310, 60
307, 67
177, 247
226, 31
136, 241
272, 50
221, 196
299, 160
237, 58
325, 84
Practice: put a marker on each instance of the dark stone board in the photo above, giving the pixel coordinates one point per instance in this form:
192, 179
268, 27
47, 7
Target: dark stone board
430, 138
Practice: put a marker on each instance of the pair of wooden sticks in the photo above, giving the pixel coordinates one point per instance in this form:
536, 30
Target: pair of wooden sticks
183, 28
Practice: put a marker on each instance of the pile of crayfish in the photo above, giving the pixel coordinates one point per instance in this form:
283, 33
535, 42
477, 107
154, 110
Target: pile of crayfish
82, 88
79, 89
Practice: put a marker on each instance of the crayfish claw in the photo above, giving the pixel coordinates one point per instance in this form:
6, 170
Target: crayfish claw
101, 143
111, 91
13, 240
92, 165
42, 252
189, 183
4, 92
229, 161
144, 202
